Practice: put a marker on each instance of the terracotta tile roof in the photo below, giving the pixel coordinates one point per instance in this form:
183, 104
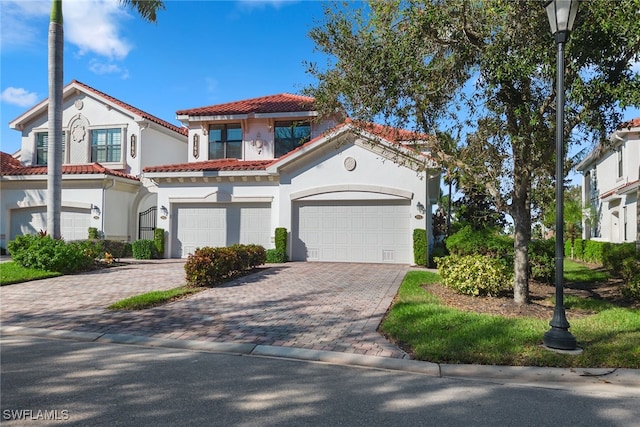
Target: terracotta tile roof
150, 117
213, 165
8, 163
620, 189
282, 103
85, 169
633, 123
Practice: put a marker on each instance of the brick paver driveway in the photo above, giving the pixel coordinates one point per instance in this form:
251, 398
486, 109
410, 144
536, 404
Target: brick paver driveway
322, 306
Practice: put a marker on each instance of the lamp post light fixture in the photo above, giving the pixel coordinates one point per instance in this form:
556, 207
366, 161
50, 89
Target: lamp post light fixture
561, 14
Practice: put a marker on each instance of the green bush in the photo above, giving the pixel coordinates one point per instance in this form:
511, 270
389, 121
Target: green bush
474, 274
93, 233
158, 241
542, 266
117, 249
210, 266
420, 250
630, 273
144, 249
592, 251
276, 256
281, 239
613, 255
439, 250
44, 253
487, 242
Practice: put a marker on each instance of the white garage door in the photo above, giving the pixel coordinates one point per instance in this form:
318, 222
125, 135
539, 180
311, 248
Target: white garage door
219, 225
362, 231
74, 222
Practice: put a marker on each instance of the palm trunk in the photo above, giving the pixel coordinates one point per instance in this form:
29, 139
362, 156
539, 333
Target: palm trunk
54, 149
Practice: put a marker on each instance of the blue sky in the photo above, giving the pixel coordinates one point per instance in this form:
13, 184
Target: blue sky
199, 53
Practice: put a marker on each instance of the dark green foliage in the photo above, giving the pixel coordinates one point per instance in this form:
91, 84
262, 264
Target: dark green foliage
486, 241
158, 240
593, 251
93, 233
439, 250
281, 239
420, 250
210, 266
613, 255
542, 260
44, 253
144, 249
276, 256
630, 272
117, 249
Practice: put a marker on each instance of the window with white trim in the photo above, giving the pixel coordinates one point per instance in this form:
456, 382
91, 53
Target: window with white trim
106, 145
619, 154
42, 148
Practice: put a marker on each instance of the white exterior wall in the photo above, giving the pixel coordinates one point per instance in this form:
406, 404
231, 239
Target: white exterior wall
156, 147
615, 200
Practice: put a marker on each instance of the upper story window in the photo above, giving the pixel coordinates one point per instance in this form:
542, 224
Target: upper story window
619, 155
289, 135
42, 147
225, 141
106, 145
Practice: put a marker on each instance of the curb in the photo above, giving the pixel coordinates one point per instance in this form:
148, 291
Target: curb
626, 381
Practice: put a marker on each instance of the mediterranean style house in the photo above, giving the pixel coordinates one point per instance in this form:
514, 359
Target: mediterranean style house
610, 187
232, 173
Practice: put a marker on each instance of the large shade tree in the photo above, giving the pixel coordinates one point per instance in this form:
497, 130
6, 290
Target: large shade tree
148, 10
486, 67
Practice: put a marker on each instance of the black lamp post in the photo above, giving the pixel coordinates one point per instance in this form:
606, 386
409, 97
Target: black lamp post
562, 14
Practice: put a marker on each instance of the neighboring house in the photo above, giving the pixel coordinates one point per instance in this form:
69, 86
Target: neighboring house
343, 194
106, 144
610, 187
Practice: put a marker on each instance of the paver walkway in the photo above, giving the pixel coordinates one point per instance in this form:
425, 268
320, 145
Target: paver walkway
321, 306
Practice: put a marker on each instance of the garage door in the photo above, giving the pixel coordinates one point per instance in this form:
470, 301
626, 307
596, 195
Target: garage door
74, 222
362, 231
218, 225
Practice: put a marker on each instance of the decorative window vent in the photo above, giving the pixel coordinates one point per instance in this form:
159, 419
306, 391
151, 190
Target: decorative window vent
312, 254
388, 255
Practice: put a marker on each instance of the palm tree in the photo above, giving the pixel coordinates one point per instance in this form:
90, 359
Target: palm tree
147, 10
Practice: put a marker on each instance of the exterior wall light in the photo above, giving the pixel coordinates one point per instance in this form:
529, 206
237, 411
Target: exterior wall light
420, 208
164, 213
95, 211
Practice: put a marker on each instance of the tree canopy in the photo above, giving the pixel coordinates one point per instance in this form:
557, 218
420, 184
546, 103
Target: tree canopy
485, 70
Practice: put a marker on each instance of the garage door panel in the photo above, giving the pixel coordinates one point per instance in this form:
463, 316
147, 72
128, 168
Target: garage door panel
74, 222
220, 225
362, 231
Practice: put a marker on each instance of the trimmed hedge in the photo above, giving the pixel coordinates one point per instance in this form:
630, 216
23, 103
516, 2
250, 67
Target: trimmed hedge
211, 266
144, 249
158, 241
420, 250
279, 254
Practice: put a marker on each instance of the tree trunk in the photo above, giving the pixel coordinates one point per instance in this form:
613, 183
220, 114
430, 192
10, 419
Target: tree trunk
54, 148
521, 213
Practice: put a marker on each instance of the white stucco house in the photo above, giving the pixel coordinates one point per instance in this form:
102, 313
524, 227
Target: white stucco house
344, 192
107, 143
610, 185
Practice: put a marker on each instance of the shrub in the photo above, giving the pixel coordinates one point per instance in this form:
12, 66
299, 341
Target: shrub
158, 241
439, 251
487, 242
542, 260
210, 266
44, 253
275, 256
281, 239
613, 255
593, 251
144, 249
474, 274
93, 233
420, 250
117, 249
630, 272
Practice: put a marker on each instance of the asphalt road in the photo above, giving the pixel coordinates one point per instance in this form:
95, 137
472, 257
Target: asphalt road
95, 384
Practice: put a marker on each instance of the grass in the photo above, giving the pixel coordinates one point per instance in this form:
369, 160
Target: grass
576, 272
437, 333
11, 272
153, 298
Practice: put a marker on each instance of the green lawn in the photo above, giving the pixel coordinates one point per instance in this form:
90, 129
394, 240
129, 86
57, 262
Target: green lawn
437, 333
11, 272
153, 298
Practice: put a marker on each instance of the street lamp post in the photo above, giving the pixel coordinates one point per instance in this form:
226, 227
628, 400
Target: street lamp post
561, 14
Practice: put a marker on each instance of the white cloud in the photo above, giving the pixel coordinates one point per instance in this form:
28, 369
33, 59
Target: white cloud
93, 26
18, 96
107, 68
